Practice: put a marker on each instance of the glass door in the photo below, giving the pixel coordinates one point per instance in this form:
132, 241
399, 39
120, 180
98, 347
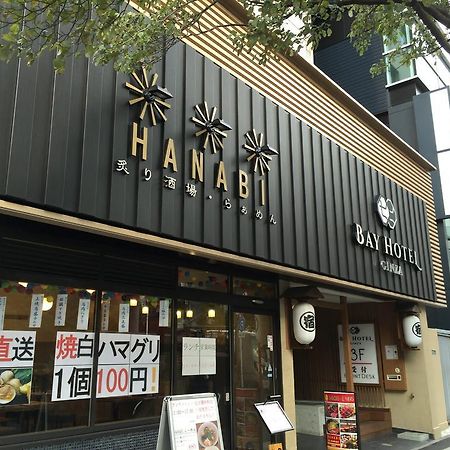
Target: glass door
253, 377
202, 358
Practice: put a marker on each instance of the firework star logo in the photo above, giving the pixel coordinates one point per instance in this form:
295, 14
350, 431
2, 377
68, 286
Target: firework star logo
386, 212
150, 95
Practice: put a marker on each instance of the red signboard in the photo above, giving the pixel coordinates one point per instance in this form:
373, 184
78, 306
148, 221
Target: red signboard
341, 422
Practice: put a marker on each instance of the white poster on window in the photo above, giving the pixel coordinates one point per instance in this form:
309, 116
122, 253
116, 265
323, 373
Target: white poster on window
60, 310
207, 356
124, 317
104, 312
363, 353
72, 372
83, 313
36, 310
2, 312
128, 364
17, 350
190, 356
164, 313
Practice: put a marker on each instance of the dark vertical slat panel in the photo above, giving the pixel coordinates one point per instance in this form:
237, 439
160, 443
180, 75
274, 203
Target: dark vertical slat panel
298, 193
273, 184
309, 201
212, 212
193, 206
287, 203
364, 222
427, 273
66, 135
244, 124
357, 214
8, 86
384, 275
341, 225
386, 193
41, 129
172, 200
98, 137
30, 136
123, 118
402, 220
330, 208
156, 146
230, 222
425, 277
321, 219
394, 234
372, 191
319, 210
260, 229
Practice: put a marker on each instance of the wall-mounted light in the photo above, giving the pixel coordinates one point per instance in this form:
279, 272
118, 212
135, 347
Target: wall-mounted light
145, 310
91, 291
23, 283
133, 302
47, 304
189, 313
211, 312
179, 314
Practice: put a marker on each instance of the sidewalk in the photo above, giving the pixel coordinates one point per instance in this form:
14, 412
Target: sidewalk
390, 441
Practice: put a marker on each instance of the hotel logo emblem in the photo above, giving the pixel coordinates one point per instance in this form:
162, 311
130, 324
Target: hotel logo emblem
386, 212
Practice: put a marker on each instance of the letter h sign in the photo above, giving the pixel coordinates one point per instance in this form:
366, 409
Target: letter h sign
139, 140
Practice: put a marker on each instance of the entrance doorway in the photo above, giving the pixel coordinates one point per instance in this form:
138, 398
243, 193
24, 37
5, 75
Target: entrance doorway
245, 366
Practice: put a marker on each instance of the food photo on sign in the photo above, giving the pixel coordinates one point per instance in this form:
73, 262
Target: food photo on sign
208, 436
341, 425
15, 386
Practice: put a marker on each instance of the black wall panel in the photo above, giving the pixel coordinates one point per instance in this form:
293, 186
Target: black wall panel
60, 138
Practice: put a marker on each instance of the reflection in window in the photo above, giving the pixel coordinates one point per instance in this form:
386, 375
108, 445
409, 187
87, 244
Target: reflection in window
201, 279
34, 318
253, 288
397, 70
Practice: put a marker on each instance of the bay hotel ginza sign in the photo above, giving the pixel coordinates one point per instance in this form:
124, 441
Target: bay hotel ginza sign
387, 215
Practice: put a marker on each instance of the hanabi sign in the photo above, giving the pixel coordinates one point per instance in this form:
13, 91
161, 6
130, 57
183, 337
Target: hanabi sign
153, 101
363, 353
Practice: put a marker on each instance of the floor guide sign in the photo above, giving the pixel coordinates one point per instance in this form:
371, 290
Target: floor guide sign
127, 365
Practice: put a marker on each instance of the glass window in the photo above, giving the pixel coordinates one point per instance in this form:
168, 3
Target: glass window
404, 37
397, 71
134, 356
201, 279
253, 288
35, 320
444, 170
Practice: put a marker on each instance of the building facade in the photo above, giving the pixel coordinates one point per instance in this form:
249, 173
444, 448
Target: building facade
153, 223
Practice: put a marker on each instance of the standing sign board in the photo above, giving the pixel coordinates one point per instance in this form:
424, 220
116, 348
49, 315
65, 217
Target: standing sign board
341, 421
274, 417
190, 422
363, 353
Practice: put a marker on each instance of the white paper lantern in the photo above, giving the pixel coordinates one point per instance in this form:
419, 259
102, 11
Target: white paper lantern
412, 330
304, 323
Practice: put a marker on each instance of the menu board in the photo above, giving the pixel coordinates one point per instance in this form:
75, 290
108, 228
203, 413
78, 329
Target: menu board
274, 417
341, 421
190, 422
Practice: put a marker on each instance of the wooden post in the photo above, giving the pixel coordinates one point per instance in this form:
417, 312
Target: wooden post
346, 345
